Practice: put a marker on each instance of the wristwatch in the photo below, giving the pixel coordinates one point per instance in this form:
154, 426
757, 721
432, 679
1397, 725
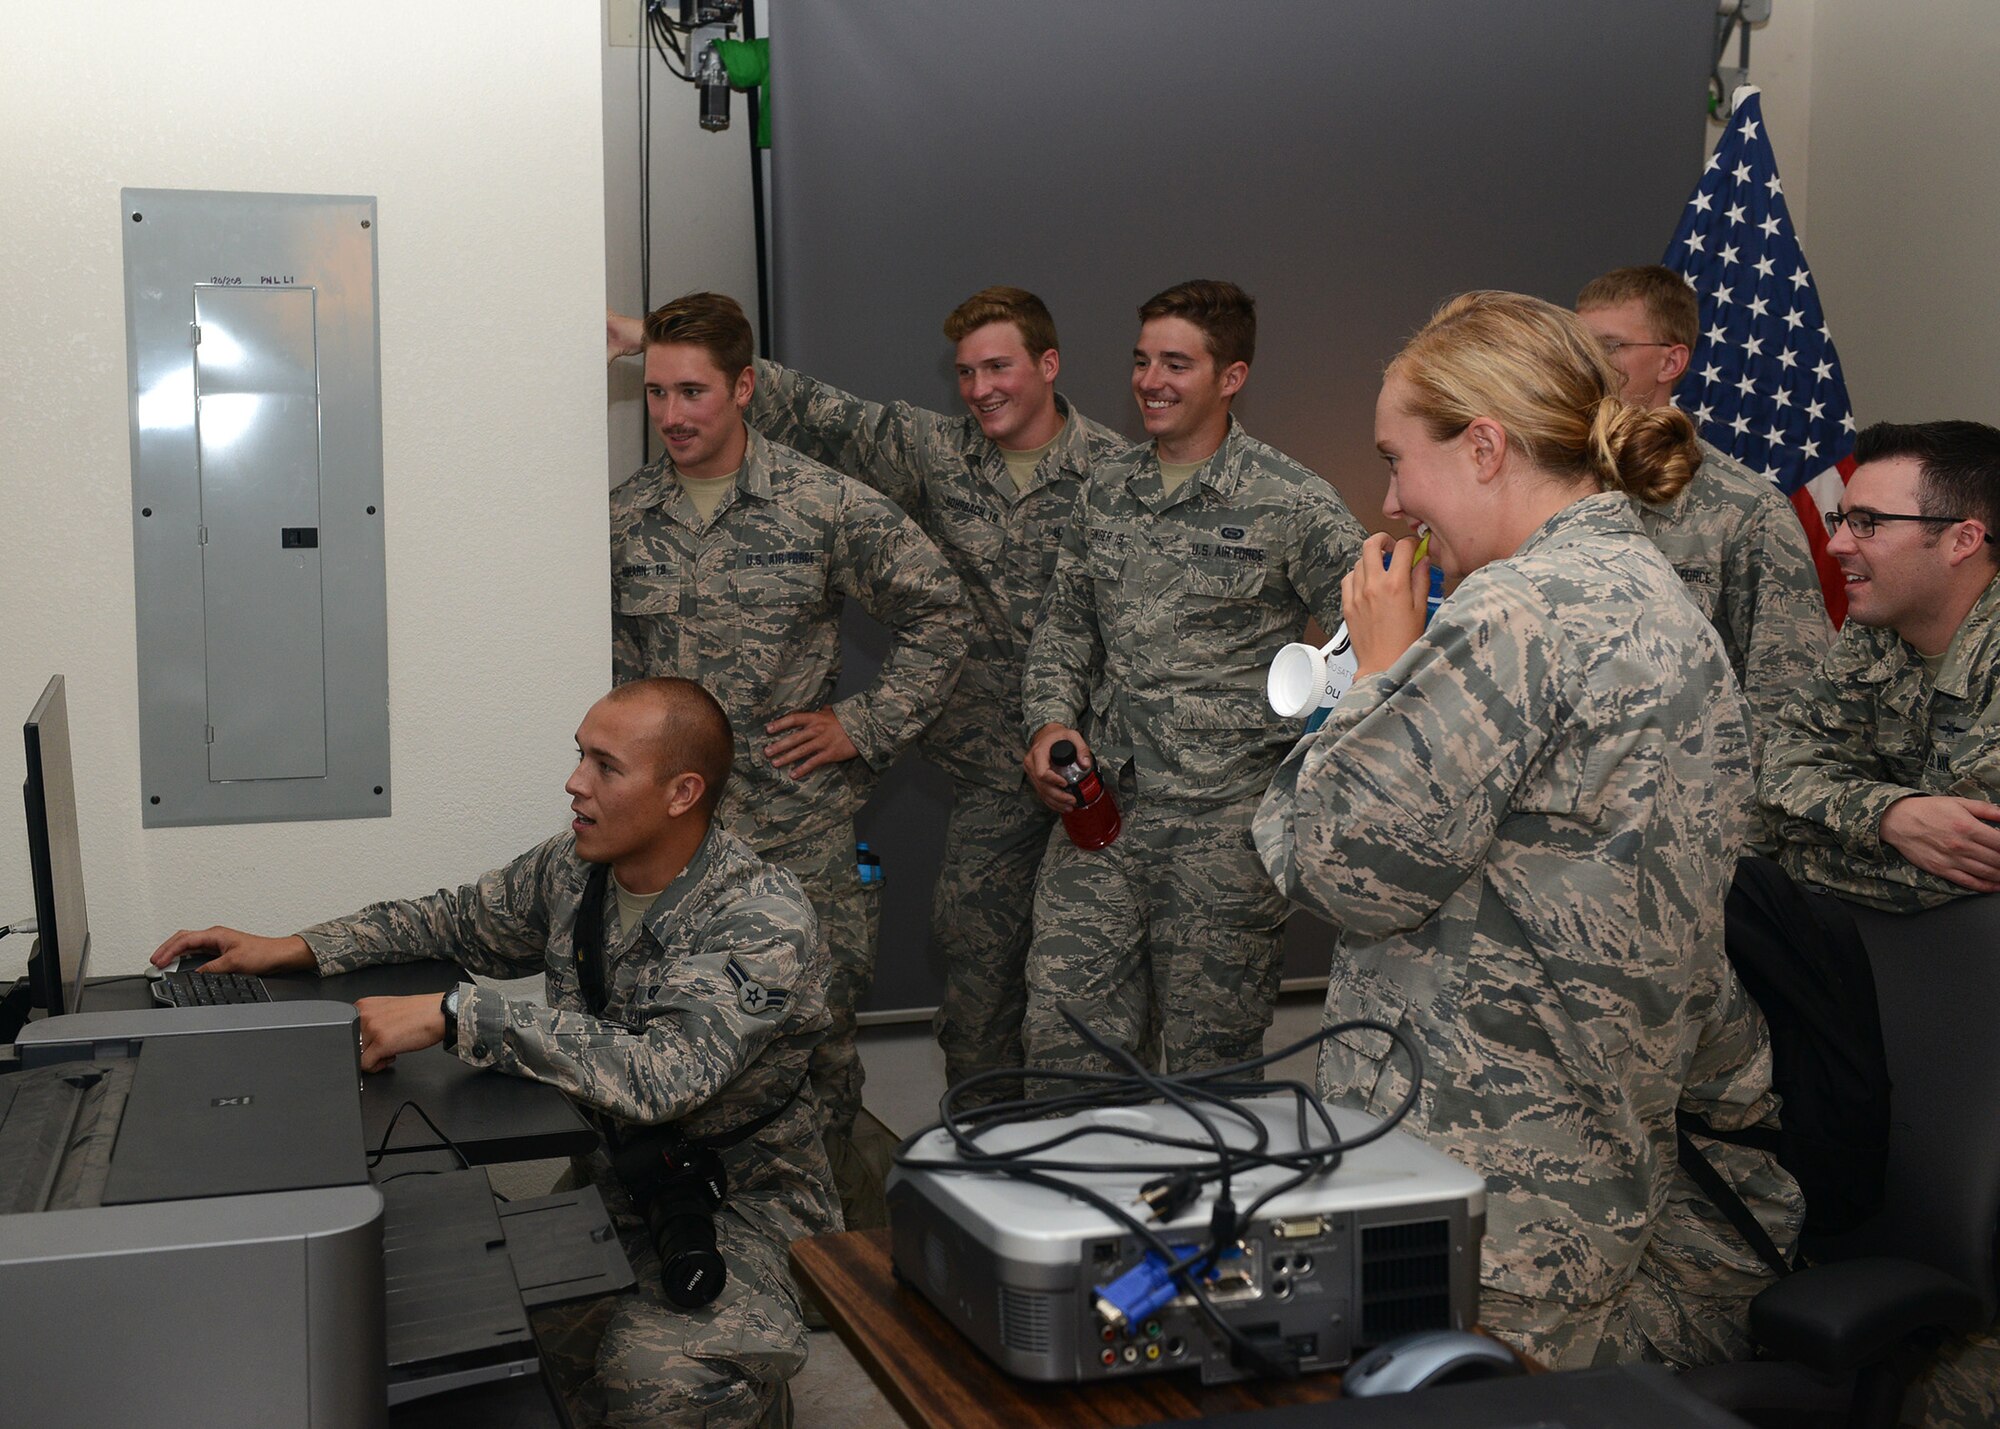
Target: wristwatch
448, 1005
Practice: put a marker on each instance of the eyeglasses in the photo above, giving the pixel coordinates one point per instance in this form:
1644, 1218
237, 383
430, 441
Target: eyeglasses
1863, 523
1614, 345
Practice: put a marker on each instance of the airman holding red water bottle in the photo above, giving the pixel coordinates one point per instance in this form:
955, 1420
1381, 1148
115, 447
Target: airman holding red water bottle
1190, 562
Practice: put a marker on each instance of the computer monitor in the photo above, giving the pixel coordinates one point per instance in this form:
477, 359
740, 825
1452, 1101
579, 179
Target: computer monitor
55, 859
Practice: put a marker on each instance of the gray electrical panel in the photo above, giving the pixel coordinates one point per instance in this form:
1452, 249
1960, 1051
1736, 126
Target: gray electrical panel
254, 364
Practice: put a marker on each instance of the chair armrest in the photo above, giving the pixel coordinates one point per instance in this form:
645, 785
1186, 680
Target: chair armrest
1843, 1316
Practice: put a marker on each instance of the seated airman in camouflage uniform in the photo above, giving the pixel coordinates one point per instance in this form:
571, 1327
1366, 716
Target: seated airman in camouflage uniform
1190, 562
731, 559
1883, 774
1524, 821
1734, 541
993, 487
692, 923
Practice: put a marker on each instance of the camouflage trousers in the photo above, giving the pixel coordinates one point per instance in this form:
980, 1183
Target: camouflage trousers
850, 918
1688, 1301
639, 1359
981, 909
1960, 1389
1168, 938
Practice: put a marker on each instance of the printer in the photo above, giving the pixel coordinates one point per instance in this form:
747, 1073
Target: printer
188, 1234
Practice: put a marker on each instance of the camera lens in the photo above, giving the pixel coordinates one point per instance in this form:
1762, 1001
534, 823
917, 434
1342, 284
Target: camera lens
691, 1269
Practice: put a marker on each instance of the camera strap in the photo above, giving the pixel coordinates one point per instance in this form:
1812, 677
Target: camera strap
737, 1135
587, 940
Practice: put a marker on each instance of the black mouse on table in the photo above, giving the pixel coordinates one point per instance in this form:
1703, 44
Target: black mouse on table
1426, 1358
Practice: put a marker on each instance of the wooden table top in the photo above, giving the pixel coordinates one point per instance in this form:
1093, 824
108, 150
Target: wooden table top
935, 1376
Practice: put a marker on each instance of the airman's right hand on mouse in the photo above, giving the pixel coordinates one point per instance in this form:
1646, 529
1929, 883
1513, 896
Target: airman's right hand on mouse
237, 952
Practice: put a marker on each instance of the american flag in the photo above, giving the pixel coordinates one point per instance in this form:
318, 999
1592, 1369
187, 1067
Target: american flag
1763, 383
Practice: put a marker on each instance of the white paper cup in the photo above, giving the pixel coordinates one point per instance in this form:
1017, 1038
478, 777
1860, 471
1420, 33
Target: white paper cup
1297, 684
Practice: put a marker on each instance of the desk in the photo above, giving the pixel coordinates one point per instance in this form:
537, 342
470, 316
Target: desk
491, 1116
934, 1376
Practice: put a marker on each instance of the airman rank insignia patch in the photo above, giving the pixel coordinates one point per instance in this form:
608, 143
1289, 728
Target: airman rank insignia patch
753, 996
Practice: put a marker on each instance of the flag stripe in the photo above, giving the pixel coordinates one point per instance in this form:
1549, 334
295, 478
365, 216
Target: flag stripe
1812, 501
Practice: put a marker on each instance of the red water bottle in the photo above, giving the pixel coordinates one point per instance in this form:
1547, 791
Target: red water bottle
1094, 822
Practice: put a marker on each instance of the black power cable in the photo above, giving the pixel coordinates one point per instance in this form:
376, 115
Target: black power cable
645, 97
1220, 1090
758, 221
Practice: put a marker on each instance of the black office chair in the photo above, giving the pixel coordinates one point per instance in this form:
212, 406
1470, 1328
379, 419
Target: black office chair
1849, 1333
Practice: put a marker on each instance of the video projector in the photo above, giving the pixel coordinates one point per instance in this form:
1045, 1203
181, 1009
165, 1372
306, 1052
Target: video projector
1051, 1288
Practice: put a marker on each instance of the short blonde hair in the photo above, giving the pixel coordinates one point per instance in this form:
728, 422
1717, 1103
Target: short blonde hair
1672, 310
1539, 372
1028, 313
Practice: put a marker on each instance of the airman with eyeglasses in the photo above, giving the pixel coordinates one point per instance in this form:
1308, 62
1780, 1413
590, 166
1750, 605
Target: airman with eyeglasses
1734, 541
1885, 771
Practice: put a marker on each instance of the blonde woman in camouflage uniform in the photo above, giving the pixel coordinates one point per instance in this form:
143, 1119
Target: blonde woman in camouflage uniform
1524, 819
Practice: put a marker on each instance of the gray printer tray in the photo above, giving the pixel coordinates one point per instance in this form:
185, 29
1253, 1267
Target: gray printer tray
564, 1248
460, 1274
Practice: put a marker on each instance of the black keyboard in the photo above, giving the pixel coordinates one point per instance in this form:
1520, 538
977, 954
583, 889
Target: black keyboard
209, 989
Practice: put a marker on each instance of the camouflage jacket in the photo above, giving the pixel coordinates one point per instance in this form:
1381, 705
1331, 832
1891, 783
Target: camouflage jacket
749, 606
1158, 631
1001, 541
1738, 547
710, 1012
1869, 728
1525, 829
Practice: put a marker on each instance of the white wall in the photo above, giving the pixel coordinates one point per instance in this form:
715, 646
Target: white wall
1885, 119
702, 232
1905, 126
480, 134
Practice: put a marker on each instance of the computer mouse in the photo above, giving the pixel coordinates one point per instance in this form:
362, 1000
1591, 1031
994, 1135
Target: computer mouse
1426, 1358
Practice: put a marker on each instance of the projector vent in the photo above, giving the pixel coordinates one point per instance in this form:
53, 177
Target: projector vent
937, 1264
1405, 1279
1024, 1320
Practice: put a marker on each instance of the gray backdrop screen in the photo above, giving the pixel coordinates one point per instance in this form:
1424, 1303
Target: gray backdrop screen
1350, 164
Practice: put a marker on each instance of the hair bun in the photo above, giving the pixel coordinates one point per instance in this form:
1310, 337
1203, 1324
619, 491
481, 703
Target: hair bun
1650, 454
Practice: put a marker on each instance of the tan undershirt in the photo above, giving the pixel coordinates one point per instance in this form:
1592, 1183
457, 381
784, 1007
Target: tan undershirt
706, 491
632, 908
1021, 465
1174, 474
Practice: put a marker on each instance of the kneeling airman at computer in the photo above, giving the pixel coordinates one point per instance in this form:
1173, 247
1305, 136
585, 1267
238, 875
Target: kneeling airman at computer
686, 990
